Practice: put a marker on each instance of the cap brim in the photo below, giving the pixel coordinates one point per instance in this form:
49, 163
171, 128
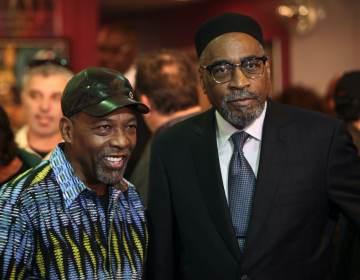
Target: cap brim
113, 103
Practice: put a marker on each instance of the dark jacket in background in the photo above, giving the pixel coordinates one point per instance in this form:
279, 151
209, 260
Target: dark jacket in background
347, 239
28, 160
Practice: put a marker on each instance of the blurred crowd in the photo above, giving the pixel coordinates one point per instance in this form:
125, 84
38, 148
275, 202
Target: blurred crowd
166, 81
33, 108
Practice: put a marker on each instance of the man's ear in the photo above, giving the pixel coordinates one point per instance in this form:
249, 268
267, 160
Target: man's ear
268, 67
144, 99
268, 78
66, 127
202, 82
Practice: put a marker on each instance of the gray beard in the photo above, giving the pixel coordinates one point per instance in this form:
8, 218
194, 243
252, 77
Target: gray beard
106, 176
244, 115
109, 177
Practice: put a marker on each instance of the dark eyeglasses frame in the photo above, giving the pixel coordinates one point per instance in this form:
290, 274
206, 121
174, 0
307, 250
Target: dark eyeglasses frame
209, 68
40, 62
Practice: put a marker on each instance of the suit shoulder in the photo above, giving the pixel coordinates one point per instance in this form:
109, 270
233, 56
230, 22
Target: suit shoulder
304, 116
184, 129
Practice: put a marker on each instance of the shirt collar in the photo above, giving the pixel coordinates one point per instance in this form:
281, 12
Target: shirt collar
226, 129
70, 184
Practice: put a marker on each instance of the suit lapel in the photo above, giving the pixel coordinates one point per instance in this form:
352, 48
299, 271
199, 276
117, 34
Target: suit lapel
272, 159
210, 181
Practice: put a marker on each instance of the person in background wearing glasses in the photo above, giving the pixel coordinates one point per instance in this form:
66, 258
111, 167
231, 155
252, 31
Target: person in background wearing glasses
117, 48
42, 87
251, 188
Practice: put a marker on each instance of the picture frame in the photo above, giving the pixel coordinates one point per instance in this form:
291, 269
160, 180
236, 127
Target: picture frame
16, 53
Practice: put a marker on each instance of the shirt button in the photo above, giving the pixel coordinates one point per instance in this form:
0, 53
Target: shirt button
244, 277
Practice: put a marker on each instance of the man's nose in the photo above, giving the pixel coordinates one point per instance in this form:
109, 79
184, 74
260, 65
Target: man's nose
238, 79
45, 104
120, 139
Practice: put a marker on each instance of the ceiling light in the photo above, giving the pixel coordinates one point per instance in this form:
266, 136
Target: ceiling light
301, 16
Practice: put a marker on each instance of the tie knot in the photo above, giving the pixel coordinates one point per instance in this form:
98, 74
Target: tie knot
238, 139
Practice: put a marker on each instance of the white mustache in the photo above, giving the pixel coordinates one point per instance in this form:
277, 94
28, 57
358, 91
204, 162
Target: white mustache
240, 94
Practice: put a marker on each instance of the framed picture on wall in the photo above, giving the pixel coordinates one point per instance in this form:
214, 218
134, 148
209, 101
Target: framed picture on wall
15, 56
16, 53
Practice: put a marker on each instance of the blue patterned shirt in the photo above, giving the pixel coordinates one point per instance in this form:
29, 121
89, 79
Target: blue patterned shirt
53, 227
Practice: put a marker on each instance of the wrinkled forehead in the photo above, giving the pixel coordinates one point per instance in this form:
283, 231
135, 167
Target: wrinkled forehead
232, 46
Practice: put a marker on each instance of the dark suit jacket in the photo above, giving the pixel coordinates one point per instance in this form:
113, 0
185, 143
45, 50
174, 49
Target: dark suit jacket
308, 170
347, 239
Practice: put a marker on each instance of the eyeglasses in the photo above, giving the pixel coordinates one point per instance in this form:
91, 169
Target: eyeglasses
57, 61
114, 50
222, 71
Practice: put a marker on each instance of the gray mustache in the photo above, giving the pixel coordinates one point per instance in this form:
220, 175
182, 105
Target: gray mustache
240, 94
113, 151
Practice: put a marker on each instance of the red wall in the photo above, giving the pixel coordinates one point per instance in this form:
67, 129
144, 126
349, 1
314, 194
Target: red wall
169, 27
175, 27
78, 21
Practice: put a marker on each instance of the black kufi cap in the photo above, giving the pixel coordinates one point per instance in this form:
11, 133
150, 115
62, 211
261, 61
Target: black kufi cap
226, 23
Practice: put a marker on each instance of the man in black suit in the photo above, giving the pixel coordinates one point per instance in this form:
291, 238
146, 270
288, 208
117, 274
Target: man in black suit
263, 211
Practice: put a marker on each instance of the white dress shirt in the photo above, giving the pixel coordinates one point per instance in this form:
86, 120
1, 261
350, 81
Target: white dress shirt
251, 148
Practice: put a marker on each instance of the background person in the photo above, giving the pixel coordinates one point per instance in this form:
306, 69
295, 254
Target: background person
303, 97
42, 88
347, 103
167, 83
13, 161
346, 98
117, 48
